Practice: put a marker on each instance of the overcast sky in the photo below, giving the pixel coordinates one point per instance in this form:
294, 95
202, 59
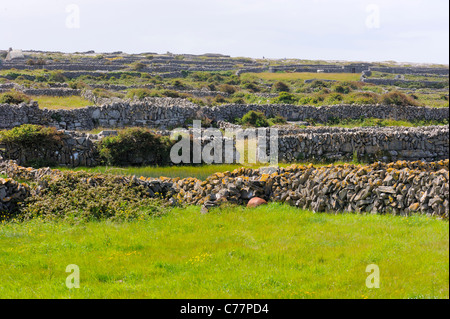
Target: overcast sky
356, 30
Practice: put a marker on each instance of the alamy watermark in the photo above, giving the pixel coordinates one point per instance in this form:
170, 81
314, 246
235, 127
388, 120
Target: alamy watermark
73, 280
373, 280
214, 146
373, 19
73, 17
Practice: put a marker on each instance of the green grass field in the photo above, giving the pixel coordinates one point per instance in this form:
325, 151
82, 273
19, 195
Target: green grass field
308, 76
200, 172
270, 252
55, 102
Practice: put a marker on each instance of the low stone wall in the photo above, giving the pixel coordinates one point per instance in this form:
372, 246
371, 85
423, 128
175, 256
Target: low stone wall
404, 82
365, 144
60, 92
169, 112
11, 192
229, 112
401, 188
294, 145
75, 149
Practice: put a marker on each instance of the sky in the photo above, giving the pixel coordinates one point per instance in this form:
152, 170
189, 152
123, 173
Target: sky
350, 30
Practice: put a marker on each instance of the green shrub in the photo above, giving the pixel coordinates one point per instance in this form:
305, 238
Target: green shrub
398, 98
277, 120
281, 87
84, 196
362, 98
170, 93
14, 97
138, 66
318, 84
57, 76
226, 88
254, 119
334, 98
219, 99
141, 94
252, 87
37, 144
135, 146
342, 89
286, 98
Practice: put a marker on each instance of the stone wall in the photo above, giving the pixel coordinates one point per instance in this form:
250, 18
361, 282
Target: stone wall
75, 149
169, 112
61, 92
401, 188
423, 83
365, 144
411, 70
294, 145
11, 192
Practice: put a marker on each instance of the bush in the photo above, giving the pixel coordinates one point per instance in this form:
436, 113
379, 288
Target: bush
36, 144
277, 120
170, 93
57, 77
342, 89
226, 88
83, 196
334, 98
398, 98
138, 66
135, 146
252, 87
14, 97
255, 119
286, 98
362, 98
141, 94
219, 99
318, 84
281, 87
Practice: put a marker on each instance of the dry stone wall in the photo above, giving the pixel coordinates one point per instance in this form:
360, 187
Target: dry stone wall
294, 145
11, 192
169, 112
400, 188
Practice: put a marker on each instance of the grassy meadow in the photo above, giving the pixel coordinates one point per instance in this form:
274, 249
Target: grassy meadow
57, 103
273, 251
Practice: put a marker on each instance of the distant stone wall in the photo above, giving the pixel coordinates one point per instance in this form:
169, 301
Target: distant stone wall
60, 92
411, 70
378, 81
168, 113
229, 112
